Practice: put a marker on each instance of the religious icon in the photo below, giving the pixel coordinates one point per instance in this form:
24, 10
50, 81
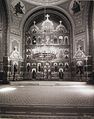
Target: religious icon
79, 67
76, 7
15, 71
66, 40
34, 73
55, 40
47, 39
34, 40
66, 66
60, 39
28, 67
18, 8
15, 55
28, 40
39, 39
80, 44
55, 67
61, 73
39, 67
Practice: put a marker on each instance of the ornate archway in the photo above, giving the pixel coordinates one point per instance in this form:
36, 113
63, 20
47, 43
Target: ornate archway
48, 43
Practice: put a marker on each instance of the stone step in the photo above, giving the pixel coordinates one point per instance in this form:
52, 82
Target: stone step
44, 117
47, 110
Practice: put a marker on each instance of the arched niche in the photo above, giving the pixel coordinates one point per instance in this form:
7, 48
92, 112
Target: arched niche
52, 52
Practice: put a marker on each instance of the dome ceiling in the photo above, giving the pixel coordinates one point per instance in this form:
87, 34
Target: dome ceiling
45, 2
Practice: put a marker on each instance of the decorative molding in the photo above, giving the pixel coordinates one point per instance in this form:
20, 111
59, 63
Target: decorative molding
45, 2
15, 31
79, 54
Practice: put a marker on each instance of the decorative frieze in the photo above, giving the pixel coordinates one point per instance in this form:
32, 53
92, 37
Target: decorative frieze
15, 31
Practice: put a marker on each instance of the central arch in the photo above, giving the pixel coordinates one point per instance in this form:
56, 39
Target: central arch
56, 16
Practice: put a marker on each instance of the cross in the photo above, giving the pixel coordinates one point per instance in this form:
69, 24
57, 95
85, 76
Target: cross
60, 22
34, 23
47, 16
79, 47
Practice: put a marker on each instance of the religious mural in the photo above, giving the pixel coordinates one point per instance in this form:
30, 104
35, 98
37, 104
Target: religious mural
15, 55
75, 6
18, 8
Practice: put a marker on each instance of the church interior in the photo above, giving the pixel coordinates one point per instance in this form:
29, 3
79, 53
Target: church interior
46, 42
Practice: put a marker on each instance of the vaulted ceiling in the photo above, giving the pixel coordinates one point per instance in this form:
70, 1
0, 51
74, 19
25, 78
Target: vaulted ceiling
45, 2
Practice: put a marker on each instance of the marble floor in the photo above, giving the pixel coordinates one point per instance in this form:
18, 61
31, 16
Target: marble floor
47, 100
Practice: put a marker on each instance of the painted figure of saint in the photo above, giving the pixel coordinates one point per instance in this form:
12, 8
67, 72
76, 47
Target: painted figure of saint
18, 8
76, 7
15, 71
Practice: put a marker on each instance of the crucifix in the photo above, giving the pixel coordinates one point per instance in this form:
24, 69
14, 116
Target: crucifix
60, 22
47, 16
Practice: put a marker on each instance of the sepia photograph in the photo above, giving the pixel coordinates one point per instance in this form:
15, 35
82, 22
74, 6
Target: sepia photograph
46, 59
